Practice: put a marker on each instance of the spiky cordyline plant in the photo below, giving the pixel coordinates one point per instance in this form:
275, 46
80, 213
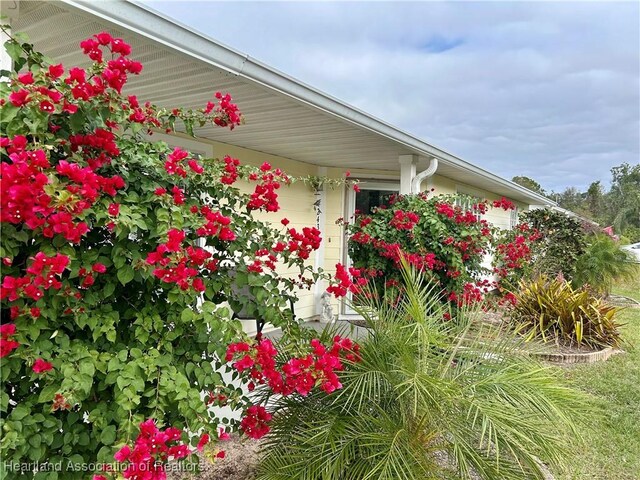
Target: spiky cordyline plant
429, 399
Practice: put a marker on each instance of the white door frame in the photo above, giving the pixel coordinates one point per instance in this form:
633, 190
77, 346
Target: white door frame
350, 206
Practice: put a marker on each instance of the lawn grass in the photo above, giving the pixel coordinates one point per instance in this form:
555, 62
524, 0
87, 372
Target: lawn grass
611, 449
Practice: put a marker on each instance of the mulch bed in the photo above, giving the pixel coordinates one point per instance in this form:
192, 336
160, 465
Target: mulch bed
240, 463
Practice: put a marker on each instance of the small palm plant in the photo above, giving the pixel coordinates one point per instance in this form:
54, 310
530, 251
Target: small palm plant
602, 263
429, 399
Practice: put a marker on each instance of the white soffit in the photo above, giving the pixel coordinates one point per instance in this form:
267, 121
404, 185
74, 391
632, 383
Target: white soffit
283, 117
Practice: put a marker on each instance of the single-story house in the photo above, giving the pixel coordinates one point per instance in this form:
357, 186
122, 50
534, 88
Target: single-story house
289, 124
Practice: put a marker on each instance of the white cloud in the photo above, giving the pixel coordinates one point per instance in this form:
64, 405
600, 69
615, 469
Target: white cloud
548, 90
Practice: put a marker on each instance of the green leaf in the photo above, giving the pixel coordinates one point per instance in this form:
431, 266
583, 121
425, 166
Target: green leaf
125, 274
108, 290
108, 435
14, 50
187, 315
20, 412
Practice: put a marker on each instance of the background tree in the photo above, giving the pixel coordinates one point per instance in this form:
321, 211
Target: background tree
594, 200
529, 183
623, 200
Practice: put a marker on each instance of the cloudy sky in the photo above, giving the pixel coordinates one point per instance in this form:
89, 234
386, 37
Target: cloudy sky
549, 90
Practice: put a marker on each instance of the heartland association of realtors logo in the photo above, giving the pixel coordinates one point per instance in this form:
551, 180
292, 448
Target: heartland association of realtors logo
68, 465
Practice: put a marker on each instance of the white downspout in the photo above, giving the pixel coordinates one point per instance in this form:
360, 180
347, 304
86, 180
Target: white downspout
430, 170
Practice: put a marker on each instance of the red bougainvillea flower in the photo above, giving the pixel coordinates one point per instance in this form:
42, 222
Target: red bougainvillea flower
55, 71
7, 343
41, 366
230, 170
349, 280
255, 422
26, 78
298, 375
204, 440
151, 450
504, 203
99, 268
114, 209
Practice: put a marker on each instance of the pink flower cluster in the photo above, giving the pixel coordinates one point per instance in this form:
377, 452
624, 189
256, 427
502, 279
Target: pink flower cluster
403, 220
179, 265
298, 375
264, 258
227, 111
41, 366
457, 214
255, 422
146, 116
230, 170
264, 195
115, 73
303, 243
504, 204
7, 343
393, 251
349, 280
150, 452
23, 199
42, 275
217, 224
173, 165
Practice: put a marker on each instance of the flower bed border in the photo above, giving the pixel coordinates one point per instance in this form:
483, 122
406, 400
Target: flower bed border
570, 358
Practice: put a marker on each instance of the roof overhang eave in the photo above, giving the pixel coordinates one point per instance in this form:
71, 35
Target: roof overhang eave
165, 31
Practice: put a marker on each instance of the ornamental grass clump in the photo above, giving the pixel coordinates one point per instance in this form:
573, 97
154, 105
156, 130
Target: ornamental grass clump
426, 399
549, 309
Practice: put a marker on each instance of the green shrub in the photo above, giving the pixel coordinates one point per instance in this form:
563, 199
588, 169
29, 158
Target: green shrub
563, 240
424, 391
551, 310
602, 263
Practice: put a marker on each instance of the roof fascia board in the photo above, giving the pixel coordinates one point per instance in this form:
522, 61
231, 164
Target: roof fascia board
166, 31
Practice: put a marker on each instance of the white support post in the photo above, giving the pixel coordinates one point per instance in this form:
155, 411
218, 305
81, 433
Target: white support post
320, 200
407, 172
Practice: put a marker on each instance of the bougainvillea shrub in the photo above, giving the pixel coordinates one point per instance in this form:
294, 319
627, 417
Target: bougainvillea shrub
434, 234
513, 254
119, 257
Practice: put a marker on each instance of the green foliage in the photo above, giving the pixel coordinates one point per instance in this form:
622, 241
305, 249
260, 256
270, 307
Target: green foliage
620, 206
563, 241
623, 201
602, 263
424, 391
550, 310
